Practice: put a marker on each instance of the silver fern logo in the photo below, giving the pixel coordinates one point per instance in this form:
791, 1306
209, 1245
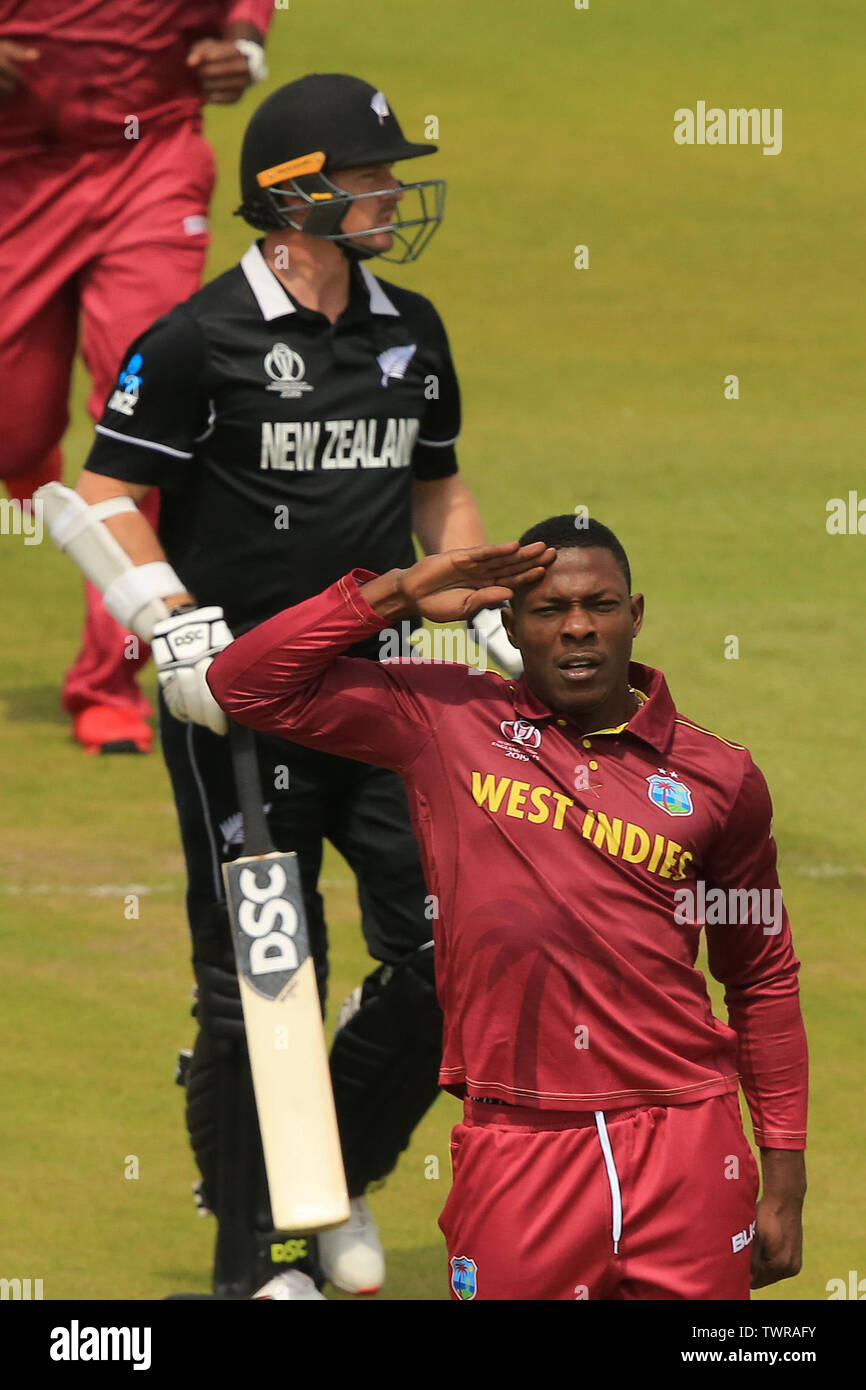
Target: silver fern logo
394, 362
232, 829
380, 106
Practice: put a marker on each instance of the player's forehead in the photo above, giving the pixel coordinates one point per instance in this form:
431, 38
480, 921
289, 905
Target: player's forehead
579, 571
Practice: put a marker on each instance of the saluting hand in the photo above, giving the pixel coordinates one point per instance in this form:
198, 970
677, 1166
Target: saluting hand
456, 584
11, 54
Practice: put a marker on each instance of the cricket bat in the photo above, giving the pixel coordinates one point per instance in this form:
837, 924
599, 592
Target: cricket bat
282, 1016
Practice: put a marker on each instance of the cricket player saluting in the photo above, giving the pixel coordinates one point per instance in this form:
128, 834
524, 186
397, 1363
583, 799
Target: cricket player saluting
297, 414
601, 1154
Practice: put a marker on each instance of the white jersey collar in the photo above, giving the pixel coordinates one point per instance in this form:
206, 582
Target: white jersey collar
269, 294
379, 301
274, 300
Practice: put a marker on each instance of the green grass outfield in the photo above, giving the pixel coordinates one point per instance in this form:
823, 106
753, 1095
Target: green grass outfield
601, 386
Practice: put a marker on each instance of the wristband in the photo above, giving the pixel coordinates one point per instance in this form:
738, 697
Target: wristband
255, 56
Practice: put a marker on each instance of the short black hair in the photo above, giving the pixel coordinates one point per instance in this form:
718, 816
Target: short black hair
568, 530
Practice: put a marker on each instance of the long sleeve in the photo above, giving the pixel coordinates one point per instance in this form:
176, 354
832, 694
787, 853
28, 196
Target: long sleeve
257, 12
287, 677
753, 956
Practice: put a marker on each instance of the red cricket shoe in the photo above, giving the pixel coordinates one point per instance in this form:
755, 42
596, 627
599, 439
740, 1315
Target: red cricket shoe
104, 729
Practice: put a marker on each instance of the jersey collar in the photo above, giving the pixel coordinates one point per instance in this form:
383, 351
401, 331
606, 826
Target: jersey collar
653, 723
274, 300
379, 301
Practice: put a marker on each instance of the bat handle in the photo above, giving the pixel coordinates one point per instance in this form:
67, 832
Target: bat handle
257, 838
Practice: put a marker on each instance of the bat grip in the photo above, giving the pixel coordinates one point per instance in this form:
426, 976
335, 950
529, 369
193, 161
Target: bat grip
257, 838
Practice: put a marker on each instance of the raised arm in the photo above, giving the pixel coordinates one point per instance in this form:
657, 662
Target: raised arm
288, 676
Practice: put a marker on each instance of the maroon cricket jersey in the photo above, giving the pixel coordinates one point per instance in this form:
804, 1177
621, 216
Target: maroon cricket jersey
102, 61
570, 873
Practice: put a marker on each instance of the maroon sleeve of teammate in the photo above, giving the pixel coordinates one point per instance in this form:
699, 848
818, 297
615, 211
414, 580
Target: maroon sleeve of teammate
287, 678
754, 958
256, 12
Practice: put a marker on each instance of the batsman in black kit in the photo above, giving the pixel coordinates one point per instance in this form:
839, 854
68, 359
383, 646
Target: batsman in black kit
299, 417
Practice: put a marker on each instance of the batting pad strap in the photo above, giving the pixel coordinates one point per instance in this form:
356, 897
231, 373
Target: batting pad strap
112, 506
137, 588
78, 516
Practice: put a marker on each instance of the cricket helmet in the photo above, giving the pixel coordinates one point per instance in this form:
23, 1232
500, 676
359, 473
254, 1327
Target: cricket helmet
310, 128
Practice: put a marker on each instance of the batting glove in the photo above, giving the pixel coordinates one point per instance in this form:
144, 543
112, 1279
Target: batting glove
493, 639
218, 1008
183, 648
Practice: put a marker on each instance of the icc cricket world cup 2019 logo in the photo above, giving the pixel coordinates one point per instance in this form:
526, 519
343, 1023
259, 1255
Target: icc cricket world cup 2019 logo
286, 369
521, 732
464, 1274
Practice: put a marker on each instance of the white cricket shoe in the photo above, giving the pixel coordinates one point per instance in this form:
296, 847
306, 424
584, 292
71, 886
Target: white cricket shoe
291, 1285
351, 1255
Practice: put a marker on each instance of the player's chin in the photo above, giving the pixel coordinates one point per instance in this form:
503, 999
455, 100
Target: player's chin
577, 693
377, 245
378, 242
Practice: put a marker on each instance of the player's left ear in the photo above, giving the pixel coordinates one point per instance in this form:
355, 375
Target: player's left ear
637, 611
507, 617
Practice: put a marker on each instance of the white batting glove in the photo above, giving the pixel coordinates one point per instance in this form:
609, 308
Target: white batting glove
183, 648
493, 638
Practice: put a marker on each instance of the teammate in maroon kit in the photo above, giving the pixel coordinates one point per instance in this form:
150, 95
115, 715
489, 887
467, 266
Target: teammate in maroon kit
105, 181
602, 1154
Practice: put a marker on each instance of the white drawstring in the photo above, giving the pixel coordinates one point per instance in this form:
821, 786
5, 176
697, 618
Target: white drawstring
612, 1177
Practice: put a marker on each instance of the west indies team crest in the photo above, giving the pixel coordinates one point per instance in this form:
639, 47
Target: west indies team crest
463, 1276
669, 794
